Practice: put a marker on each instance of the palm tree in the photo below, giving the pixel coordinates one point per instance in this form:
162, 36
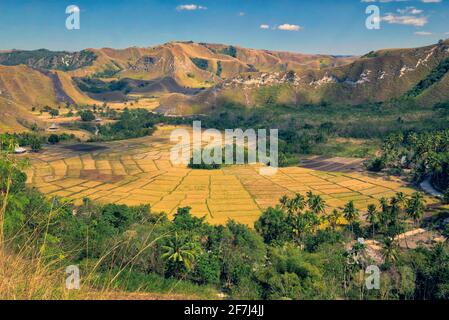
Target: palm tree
297, 204
402, 199
416, 207
181, 250
372, 216
390, 250
304, 224
284, 201
316, 203
351, 214
385, 212
334, 218
395, 209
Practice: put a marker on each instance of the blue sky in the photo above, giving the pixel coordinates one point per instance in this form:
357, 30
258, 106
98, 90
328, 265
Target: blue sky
309, 26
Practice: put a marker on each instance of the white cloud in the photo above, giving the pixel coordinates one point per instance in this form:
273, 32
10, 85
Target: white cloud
289, 27
423, 33
410, 10
264, 26
411, 20
384, 1
190, 7
242, 14
387, 1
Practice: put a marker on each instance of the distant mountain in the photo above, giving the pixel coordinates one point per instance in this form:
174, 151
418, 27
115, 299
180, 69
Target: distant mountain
190, 64
420, 73
188, 77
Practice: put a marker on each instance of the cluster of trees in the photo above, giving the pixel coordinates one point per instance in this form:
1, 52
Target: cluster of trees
34, 140
295, 135
95, 85
129, 124
435, 76
202, 64
423, 154
297, 250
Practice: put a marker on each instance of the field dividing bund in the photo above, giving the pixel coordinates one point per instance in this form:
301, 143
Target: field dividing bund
139, 172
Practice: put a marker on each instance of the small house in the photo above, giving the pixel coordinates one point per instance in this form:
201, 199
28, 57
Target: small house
19, 150
53, 127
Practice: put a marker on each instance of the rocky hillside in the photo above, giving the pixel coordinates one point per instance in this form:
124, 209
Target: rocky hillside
421, 73
45, 59
189, 77
190, 64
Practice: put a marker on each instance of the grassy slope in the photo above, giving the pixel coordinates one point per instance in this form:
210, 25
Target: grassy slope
21, 89
31, 279
72, 91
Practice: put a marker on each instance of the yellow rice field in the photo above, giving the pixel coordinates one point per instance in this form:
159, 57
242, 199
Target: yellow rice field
139, 171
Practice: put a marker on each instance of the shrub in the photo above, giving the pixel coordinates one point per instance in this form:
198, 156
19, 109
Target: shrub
53, 139
376, 165
36, 144
87, 116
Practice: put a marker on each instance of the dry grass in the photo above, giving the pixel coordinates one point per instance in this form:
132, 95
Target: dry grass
30, 279
141, 173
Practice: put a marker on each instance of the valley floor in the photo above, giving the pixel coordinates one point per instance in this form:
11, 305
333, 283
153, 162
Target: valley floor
139, 171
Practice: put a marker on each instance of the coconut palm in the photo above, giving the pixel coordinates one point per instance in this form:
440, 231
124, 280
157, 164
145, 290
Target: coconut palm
395, 209
181, 250
297, 204
316, 203
284, 202
401, 199
416, 207
390, 250
372, 217
334, 218
351, 214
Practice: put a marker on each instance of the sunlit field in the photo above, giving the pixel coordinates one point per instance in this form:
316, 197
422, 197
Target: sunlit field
139, 171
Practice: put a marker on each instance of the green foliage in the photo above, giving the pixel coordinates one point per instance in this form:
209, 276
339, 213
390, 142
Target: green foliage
87, 116
110, 71
273, 226
36, 144
286, 257
230, 51
94, 85
446, 196
202, 64
53, 139
268, 96
371, 54
219, 69
54, 113
435, 76
131, 124
376, 165
425, 153
45, 59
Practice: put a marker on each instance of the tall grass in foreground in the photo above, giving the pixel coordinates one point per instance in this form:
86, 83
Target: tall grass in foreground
30, 268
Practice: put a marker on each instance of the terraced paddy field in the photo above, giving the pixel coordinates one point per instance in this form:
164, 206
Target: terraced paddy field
139, 171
